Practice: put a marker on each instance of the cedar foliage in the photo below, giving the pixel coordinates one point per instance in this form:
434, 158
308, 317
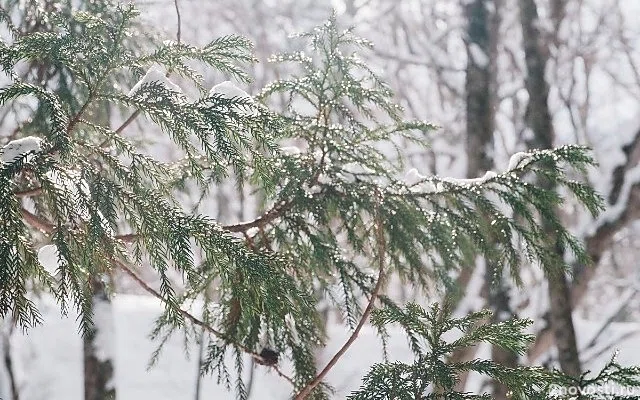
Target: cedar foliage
337, 218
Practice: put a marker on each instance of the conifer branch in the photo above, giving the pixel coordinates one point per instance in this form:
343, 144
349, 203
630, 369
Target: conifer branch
381, 246
198, 322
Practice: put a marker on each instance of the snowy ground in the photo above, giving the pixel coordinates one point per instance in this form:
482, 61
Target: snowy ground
49, 359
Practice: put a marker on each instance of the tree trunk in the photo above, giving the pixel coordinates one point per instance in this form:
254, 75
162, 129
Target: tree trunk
538, 118
482, 38
98, 348
480, 110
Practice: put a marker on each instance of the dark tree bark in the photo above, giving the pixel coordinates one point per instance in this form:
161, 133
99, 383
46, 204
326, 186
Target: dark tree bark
98, 365
482, 38
478, 87
538, 118
8, 359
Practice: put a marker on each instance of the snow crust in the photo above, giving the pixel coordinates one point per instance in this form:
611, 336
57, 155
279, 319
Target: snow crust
20, 147
155, 74
356, 169
421, 183
472, 181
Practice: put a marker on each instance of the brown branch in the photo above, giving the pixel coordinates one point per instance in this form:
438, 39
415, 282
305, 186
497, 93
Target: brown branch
262, 220
306, 391
241, 227
37, 222
194, 320
29, 192
76, 118
122, 127
128, 121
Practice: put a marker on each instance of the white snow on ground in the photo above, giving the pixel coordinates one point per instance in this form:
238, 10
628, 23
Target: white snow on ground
49, 358
155, 74
19, 147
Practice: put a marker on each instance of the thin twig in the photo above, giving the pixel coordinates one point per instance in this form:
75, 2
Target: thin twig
76, 118
121, 128
128, 121
381, 245
194, 320
261, 221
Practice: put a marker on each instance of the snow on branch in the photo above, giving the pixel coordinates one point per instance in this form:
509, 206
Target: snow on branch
155, 74
18, 148
228, 90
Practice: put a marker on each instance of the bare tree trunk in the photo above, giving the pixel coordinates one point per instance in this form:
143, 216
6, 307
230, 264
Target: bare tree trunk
483, 20
538, 118
98, 347
478, 87
8, 358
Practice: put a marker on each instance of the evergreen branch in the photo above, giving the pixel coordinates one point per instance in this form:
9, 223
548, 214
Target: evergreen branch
381, 245
196, 321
